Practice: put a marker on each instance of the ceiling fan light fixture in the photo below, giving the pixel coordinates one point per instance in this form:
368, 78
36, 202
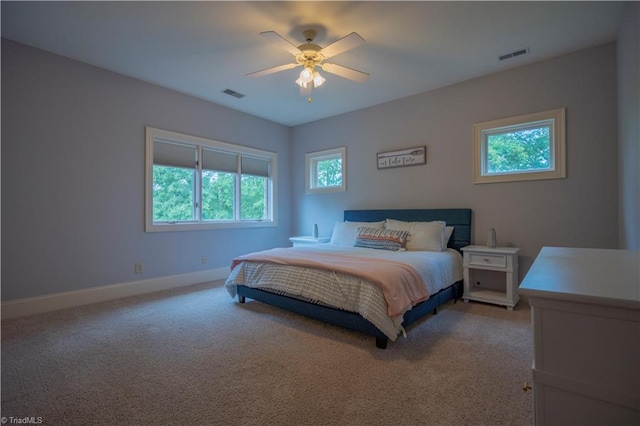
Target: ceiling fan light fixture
318, 79
306, 75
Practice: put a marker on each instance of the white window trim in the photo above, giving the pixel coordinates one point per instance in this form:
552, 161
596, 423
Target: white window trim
310, 176
557, 169
168, 136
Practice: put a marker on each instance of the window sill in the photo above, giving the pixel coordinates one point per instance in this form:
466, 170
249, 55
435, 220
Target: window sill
177, 227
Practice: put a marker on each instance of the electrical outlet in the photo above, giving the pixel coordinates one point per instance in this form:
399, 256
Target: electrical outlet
138, 268
205, 259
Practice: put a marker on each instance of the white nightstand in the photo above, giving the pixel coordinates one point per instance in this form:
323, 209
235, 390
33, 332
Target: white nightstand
303, 241
500, 259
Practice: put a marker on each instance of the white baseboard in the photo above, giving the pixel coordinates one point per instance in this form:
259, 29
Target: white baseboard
70, 299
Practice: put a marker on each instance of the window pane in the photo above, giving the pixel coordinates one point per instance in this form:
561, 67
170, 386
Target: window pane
173, 194
217, 195
523, 150
252, 197
329, 172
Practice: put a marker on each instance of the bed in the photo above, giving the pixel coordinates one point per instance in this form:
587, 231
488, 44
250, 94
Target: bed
360, 309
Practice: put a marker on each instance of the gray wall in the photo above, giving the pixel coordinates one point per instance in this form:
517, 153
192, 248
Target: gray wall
581, 210
629, 127
73, 166
73, 176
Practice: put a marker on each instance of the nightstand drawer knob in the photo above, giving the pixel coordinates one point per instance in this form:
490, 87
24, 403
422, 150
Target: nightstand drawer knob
486, 260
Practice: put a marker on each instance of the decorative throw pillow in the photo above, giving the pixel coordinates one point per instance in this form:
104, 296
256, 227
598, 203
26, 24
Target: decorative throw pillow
423, 236
381, 239
345, 233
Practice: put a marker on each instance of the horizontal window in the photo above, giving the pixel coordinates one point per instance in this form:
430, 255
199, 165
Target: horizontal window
525, 147
194, 183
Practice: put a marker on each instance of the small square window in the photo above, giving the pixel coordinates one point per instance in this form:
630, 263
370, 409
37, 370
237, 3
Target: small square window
326, 171
527, 147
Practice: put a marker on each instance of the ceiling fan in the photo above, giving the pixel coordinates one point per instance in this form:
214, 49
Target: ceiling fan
310, 55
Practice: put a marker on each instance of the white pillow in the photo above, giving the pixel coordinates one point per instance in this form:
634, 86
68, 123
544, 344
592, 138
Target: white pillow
423, 236
448, 231
346, 233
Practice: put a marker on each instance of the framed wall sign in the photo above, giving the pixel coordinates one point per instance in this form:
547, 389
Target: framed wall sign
402, 158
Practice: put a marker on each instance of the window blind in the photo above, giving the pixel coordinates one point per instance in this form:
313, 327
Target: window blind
219, 161
255, 166
174, 155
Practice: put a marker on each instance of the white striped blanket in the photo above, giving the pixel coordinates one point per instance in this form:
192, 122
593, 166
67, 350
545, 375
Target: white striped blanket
344, 291
401, 285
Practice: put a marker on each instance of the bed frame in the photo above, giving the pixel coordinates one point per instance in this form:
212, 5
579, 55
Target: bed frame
459, 218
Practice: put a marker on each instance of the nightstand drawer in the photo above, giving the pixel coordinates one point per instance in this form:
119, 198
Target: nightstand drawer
496, 260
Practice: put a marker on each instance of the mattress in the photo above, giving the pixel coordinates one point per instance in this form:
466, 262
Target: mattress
437, 269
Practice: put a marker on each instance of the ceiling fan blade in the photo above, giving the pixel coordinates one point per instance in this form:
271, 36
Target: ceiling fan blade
347, 42
345, 72
276, 38
272, 70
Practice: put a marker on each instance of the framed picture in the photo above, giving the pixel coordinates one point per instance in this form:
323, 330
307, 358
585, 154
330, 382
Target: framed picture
402, 158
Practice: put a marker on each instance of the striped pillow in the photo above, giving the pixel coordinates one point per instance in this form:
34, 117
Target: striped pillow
381, 239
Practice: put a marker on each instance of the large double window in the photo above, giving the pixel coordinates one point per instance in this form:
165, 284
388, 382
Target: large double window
195, 183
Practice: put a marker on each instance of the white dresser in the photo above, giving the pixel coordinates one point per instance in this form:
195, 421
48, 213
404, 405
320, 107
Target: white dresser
585, 306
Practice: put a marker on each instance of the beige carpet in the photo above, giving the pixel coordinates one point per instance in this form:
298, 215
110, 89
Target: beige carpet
198, 357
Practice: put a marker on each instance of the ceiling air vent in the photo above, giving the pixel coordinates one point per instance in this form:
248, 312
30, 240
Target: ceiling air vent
233, 93
513, 54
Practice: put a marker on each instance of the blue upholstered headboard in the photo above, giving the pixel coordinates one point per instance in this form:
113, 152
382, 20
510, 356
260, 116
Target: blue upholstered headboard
460, 219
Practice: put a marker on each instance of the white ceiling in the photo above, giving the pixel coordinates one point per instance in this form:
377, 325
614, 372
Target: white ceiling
203, 48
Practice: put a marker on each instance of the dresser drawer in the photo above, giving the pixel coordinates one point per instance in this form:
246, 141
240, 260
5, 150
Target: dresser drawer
495, 260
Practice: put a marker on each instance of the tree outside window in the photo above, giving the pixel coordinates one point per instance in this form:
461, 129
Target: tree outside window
524, 150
